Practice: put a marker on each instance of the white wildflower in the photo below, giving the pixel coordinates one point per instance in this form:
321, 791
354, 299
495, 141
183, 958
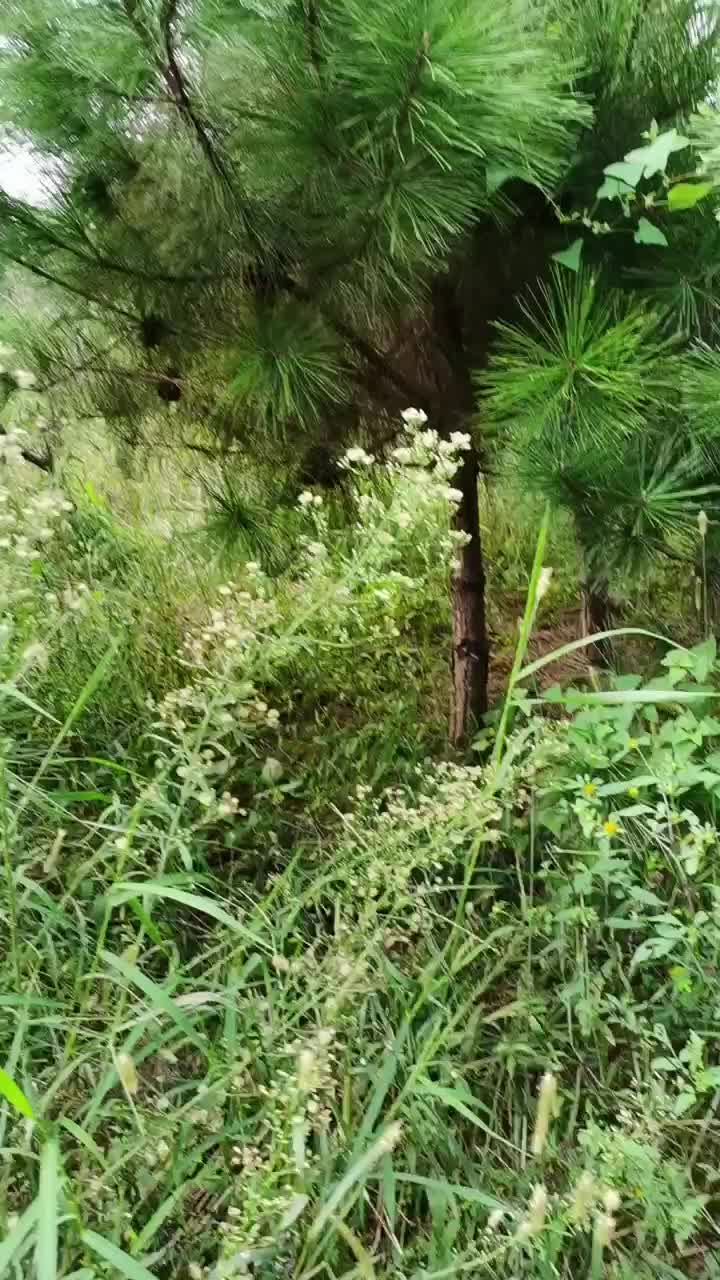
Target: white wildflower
36, 655
307, 1070
24, 380
414, 417
305, 499
460, 440
127, 1073
453, 495
272, 771
547, 1096
544, 582
604, 1230
583, 1196
403, 455
358, 456
537, 1209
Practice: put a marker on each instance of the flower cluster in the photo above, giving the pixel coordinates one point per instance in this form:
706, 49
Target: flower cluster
358, 593
29, 521
401, 850
24, 380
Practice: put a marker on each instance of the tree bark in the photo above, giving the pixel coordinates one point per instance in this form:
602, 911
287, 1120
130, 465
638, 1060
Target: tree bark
595, 616
454, 412
471, 650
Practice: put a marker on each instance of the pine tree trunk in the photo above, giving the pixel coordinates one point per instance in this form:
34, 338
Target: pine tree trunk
470, 638
454, 412
595, 616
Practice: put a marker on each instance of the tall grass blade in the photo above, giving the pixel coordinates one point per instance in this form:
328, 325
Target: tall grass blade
626, 697
117, 1258
127, 890
15, 1096
46, 1251
157, 996
526, 625
20, 1235
355, 1175
573, 645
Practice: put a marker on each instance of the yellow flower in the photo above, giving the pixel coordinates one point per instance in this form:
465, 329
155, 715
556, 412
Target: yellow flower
589, 789
633, 793
610, 828
633, 744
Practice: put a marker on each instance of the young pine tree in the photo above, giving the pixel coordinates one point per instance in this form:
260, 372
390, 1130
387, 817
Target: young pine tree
279, 219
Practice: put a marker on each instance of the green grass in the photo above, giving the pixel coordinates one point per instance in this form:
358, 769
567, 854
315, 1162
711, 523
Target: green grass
281, 980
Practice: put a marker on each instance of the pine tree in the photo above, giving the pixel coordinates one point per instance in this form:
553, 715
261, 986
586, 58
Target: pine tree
283, 217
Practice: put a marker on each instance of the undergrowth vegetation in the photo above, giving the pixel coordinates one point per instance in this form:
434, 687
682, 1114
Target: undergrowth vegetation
287, 991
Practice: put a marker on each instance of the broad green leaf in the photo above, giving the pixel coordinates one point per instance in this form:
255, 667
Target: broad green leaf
571, 256
613, 188
687, 194
621, 788
628, 174
699, 660
117, 1258
654, 949
15, 1096
653, 158
684, 1102
639, 894
648, 233
46, 1249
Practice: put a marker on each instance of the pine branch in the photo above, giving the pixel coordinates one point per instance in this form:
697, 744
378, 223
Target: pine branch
20, 213
176, 84
313, 32
44, 461
171, 73
71, 288
378, 361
